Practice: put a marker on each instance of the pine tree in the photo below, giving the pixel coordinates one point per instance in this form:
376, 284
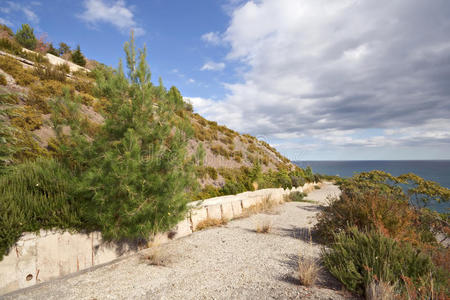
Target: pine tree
138, 175
25, 37
78, 57
52, 50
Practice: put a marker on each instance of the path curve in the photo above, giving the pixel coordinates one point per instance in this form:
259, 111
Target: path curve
229, 262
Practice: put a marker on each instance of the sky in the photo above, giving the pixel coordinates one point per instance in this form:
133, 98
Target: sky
317, 79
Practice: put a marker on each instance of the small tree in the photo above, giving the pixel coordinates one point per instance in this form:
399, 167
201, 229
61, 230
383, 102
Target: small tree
63, 48
52, 50
137, 175
25, 37
78, 57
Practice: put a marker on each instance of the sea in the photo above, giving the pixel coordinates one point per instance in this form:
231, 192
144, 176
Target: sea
435, 170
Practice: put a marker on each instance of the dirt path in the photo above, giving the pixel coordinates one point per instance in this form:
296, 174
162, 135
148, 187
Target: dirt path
230, 262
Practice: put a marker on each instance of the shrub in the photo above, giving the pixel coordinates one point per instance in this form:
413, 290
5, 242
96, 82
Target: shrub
263, 226
35, 195
78, 57
51, 72
26, 118
42, 91
15, 69
209, 222
374, 200
3, 80
25, 37
52, 50
357, 258
10, 46
370, 210
297, 196
308, 271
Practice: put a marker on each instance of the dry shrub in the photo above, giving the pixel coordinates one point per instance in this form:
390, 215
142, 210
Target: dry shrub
369, 210
308, 271
209, 222
155, 255
380, 290
263, 226
267, 205
3, 80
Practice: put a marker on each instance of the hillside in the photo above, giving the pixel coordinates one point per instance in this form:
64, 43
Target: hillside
31, 81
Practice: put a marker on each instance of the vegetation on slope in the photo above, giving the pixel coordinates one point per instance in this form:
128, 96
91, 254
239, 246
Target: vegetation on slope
130, 152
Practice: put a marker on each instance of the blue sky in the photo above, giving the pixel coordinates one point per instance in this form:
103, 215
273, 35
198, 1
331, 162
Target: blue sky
317, 79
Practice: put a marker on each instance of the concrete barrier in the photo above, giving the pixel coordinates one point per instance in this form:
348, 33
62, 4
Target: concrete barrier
50, 254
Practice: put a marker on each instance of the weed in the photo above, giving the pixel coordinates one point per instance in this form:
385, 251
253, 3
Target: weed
380, 290
308, 271
297, 196
263, 226
209, 222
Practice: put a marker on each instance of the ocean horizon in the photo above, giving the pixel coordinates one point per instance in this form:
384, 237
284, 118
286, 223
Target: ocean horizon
434, 170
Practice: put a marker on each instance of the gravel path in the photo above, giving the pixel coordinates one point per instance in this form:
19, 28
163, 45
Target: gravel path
229, 262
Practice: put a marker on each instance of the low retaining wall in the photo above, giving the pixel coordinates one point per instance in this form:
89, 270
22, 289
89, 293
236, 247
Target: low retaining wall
40, 257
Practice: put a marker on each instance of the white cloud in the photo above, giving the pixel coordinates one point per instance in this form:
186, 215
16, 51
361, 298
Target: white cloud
115, 13
212, 38
213, 66
10, 7
324, 66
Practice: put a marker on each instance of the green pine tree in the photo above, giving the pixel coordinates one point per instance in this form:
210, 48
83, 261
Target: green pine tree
78, 57
25, 37
138, 175
52, 50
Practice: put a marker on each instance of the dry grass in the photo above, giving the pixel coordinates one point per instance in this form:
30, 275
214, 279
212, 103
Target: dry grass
267, 205
155, 255
380, 290
263, 226
308, 271
210, 223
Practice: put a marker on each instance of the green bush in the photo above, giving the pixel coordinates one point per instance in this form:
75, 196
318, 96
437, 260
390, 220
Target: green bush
36, 195
25, 37
10, 46
51, 72
78, 57
297, 196
357, 258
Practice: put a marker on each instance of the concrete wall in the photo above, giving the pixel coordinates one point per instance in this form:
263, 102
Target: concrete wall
36, 258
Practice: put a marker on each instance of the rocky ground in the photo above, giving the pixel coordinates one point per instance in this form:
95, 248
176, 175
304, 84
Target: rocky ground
229, 262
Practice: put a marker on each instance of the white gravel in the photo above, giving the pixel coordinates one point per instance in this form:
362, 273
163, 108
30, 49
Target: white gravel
229, 262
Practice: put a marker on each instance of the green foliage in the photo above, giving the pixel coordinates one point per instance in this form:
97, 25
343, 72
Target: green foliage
63, 48
25, 37
51, 72
10, 46
375, 200
357, 258
7, 30
78, 57
297, 196
137, 174
52, 50
35, 195
15, 69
